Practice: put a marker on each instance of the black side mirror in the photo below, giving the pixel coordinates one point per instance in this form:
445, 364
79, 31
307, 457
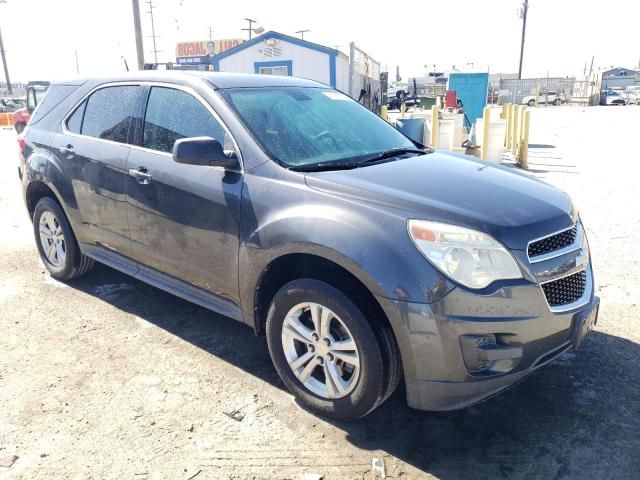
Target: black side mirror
203, 151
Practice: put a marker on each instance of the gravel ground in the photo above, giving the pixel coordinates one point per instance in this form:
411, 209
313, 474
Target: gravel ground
106, 377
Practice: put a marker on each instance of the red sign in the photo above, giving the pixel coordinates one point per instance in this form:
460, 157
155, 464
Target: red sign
201, 48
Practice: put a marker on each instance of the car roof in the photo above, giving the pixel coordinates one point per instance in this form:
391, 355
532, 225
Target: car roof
219, 80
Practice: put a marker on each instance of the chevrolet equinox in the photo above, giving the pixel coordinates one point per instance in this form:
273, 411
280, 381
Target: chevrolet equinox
363, 257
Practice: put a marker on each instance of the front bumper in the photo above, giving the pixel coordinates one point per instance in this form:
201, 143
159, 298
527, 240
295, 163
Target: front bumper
439, 342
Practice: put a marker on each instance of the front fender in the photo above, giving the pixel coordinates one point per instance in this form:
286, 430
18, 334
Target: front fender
372, 243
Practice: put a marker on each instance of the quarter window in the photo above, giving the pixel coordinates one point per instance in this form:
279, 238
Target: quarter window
173, 114
74, 124
108, 113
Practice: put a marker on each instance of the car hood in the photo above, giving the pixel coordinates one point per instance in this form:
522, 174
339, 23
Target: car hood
457, 189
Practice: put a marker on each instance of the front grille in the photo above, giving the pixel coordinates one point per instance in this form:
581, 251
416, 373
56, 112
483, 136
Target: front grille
565, 290
553, 242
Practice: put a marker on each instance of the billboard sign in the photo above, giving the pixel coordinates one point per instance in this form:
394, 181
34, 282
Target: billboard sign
203, 48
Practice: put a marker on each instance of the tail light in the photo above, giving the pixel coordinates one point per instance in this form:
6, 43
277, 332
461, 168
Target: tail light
21, 142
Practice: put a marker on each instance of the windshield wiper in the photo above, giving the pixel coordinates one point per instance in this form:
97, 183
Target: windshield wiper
394, 152
322, 166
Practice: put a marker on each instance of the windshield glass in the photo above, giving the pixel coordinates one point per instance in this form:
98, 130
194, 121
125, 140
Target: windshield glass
300, 127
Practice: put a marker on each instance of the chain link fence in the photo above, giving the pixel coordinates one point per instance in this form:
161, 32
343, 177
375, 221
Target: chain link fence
364, 79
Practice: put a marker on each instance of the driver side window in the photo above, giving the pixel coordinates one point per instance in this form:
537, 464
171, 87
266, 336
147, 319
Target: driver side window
174, 114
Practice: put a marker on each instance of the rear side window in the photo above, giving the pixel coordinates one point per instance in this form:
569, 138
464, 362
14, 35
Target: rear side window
173, 114
48, 99
108, 113
74, 124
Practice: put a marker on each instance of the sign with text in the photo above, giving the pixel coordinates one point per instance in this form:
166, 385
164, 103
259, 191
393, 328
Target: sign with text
201, 48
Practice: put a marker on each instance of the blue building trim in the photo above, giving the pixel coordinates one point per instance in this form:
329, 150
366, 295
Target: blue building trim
275, 63
277, 36
333, 60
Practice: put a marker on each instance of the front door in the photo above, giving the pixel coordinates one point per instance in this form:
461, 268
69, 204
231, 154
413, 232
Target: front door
183, 219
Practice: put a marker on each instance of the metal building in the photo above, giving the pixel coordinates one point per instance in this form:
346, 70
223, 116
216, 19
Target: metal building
619, 79
274, 53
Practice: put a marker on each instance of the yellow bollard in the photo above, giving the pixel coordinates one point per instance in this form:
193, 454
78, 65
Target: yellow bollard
486, 123
384, 113
503, 114
403, 109
507, 142
514, 129
524, 147
434, 126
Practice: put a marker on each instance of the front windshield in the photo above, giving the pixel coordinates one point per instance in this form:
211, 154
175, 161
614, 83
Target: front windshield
300, 127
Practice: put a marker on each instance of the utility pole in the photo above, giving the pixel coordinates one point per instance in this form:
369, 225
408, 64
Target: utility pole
525, 9
77, 64
4, 64
250, 29
138, 31
302, 32
210, 32
153, 32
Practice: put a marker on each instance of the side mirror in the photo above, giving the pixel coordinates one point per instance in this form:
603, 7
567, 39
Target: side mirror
203, 151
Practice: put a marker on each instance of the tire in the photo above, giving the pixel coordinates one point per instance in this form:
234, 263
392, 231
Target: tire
531, 103
64, 259
20, 127
557, 101
362, 388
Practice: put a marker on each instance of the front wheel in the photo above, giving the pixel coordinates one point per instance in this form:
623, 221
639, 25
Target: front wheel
56, 243
557, 101
531, 103
327, 353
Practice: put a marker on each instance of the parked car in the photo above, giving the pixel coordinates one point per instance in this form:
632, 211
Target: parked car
35, 93
633, 94
613, 97
550, 97
362, 256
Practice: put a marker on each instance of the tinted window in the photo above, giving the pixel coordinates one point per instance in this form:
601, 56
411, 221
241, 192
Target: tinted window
108, 113
46, 99
174, 114
74, 124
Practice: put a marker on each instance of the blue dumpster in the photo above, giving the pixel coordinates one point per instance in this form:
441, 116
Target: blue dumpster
472, 90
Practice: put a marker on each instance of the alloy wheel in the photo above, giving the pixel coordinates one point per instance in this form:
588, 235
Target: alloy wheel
320, 350
52, 239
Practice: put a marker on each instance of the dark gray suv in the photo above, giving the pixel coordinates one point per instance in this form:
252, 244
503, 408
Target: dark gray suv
364, 258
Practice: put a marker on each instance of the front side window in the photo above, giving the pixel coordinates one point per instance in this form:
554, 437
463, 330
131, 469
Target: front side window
300, 127
109, 111
174, 114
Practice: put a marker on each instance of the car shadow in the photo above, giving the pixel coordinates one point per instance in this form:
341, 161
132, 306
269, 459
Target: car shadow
575, 418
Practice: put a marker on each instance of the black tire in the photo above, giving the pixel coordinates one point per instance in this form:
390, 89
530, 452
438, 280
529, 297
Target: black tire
75, 263
20, 127
380, 365
557, 101
531, 103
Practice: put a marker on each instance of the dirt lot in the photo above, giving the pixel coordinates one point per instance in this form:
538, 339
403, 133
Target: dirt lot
106, 377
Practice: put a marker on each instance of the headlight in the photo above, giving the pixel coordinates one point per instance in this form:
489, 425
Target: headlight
471, 258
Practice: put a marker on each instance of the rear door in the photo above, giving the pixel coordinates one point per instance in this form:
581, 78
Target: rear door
183, 219
93, 146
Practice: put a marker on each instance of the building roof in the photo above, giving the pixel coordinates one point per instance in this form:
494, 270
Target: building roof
277, 36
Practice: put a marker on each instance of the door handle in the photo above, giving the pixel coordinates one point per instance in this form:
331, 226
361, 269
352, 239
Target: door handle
141, 174
67, 151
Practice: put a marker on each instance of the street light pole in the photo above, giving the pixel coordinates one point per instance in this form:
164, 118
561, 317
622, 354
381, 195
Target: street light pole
525, 9
250, 29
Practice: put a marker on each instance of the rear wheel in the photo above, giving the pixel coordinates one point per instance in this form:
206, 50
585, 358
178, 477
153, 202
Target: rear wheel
56, 243
327, 353
557, 101
531, 103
